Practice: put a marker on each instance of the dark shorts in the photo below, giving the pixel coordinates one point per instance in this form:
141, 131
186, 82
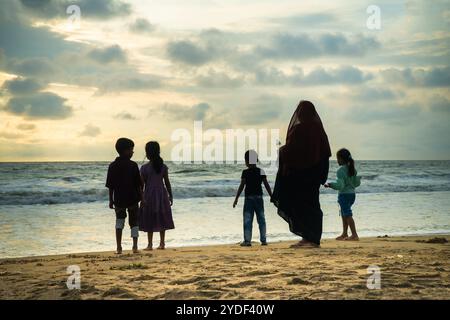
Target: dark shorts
346, 200
133, 214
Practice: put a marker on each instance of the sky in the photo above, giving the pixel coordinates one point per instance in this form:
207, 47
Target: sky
70, 86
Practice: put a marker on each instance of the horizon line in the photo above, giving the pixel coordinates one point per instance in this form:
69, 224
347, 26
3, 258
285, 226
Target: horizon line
197, 162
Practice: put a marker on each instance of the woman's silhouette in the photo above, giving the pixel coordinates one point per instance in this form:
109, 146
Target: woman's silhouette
303, 167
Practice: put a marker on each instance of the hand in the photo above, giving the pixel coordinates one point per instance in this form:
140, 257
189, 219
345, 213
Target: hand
326, 185
142, 203
235, 203
111, 205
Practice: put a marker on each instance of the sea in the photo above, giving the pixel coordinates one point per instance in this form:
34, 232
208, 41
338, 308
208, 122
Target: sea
62, 207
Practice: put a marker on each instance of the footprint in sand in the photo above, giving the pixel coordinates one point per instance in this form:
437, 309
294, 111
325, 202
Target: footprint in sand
145, 277
242, 284
177, 294
188, 281
258, 273
117, 292
299, 281
71, 295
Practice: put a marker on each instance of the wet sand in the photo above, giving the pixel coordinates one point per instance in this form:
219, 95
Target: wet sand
410, 268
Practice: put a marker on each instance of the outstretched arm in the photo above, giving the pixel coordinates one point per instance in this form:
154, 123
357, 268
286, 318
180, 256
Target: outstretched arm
168, 186
239, 191
267, 185
339, 183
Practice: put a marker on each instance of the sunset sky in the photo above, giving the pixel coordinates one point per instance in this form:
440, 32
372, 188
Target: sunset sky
142, 69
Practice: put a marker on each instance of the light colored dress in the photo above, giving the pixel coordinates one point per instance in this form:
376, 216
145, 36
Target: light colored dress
156, 214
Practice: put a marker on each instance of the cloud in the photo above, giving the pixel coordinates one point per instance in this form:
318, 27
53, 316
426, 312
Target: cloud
90, 131
439, 104
142, 26
125, 116
86, 69
22, 86
27, 99
372, 94
38, 52
342, 75
108, 54
311, 20
179, 112
188, 52
45, 105
261, 110
214, 79
433, 77
20, 40
304, 46
26, 126
92, 9
34, 67
120, 83
386, 113
9, 135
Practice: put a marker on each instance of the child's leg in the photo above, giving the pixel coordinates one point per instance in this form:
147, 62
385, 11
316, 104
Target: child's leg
261, 219
248, 220
119, 240
344, 234
121, 214
350, 220
162, 244
352, 226
150, 241
135, 245
133, 222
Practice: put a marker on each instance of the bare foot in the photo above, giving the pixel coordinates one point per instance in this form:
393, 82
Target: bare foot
309, 245
298, 244
135, 250
304, 244
119, 250
342, 237
353, 238
149, 248
161, 246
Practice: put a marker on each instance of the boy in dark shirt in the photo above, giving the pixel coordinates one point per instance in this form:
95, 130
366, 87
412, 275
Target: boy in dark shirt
125, 191
251, 179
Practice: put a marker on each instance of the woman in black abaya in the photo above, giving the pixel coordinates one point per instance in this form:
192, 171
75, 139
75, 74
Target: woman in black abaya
303, 167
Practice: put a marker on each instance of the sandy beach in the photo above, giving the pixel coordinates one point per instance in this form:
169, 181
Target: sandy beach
411, 268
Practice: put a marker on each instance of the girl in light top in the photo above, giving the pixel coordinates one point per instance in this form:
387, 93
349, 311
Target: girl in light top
347, 181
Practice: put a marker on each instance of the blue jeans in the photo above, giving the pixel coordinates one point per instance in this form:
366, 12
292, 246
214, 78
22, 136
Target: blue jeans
252, 205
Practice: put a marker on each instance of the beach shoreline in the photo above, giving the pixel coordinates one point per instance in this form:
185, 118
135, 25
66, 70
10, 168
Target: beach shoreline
410, 268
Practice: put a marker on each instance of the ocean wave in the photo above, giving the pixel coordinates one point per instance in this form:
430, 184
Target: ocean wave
185, 192
71, 179
370, 176
59, 183
190, 171
52, 197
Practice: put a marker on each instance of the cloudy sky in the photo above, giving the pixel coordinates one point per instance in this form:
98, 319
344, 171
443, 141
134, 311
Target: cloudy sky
141, 69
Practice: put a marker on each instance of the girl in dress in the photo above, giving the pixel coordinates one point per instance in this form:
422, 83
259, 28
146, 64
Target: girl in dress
156, 214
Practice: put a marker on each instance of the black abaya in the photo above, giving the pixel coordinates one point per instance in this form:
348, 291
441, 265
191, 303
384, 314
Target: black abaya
296, 195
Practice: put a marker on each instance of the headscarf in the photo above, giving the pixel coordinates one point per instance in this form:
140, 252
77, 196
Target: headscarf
306, 141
